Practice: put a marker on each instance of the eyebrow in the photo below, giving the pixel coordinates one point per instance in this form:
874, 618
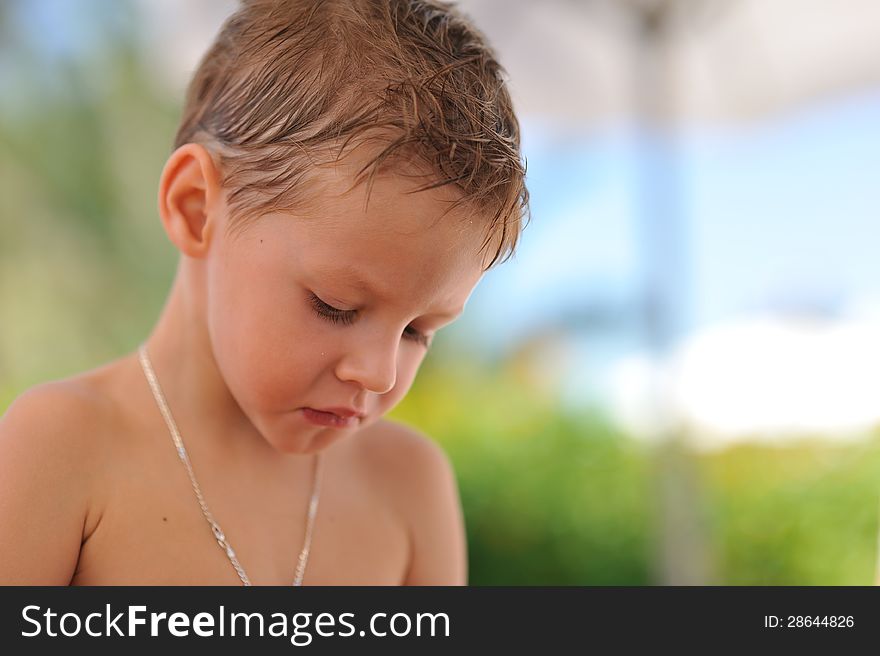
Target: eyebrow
353, 277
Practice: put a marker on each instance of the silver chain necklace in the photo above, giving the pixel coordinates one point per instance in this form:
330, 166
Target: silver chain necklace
147, 366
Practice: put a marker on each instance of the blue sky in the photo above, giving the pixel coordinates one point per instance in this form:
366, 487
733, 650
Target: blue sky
787, 210
780, 214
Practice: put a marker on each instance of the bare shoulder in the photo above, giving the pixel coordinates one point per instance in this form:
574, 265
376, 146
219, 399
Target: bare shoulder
396, 448
418, 480
51, 416
407, 464
49, 444
59, 416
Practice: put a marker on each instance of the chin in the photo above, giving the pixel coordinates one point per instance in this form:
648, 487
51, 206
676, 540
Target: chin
304, 444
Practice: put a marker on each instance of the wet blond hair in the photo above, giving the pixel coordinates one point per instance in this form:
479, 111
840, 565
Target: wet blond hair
288, 85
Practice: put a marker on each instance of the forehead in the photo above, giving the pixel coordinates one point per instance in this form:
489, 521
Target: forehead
387, 239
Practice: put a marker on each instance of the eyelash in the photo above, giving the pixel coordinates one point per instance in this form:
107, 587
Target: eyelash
346, 318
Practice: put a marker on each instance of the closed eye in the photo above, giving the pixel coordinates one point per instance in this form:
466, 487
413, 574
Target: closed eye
330, 313
347, 317
419, 337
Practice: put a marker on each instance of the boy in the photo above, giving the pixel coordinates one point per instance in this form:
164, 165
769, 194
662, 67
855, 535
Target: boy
343, 175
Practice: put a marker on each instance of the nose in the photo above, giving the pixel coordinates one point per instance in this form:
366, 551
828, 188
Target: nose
371, 364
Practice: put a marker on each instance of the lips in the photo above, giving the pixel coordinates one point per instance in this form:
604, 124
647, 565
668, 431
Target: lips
341, 412
332, 417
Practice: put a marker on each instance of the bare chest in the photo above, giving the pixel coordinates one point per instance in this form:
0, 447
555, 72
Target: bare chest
151, 530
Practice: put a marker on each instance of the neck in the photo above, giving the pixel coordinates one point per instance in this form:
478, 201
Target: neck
183, 359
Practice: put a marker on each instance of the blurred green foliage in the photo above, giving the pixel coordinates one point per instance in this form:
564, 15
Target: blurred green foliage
806, 514
550, 496
83, 265
559, 499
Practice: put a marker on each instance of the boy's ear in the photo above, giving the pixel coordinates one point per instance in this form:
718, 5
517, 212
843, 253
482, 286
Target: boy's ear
190, 196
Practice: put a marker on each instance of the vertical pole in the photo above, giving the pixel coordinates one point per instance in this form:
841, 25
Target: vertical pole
682, 556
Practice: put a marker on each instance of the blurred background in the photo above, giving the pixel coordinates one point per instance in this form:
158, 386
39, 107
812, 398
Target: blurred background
675, 379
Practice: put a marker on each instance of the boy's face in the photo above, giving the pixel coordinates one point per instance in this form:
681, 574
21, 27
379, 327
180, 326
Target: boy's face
333, 308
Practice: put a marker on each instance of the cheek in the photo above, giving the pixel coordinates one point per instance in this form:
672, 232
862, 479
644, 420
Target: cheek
258, 337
